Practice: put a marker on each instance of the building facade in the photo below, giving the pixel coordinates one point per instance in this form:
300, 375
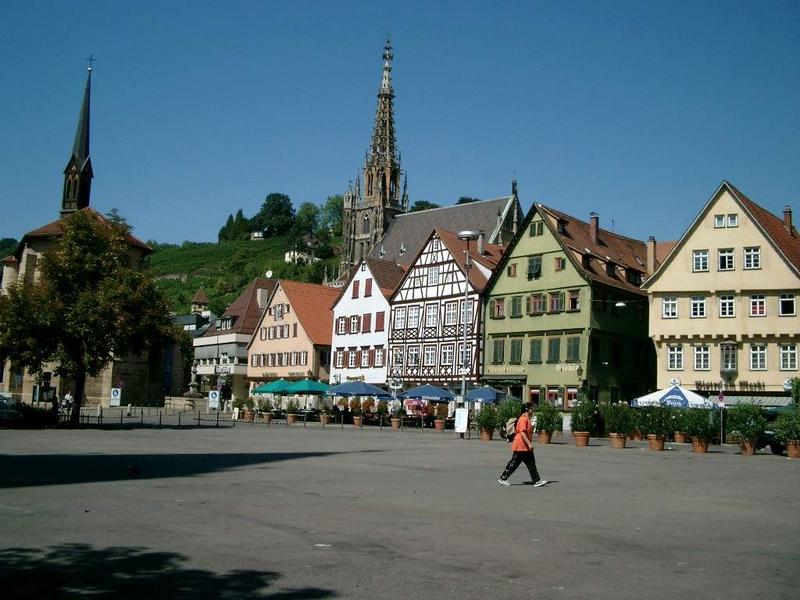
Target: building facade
724, 305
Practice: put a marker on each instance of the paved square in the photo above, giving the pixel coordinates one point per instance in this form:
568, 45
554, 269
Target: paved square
251, 512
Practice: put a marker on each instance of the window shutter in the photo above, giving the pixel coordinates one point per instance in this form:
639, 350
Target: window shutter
294, 330
379, 317
366, 324
346, 324
346, 358
368, 287
355, 289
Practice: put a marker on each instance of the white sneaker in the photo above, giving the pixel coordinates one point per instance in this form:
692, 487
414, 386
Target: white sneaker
540, 483
503, 482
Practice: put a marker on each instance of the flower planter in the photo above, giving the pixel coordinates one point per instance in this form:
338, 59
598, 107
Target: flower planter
617, 440
486, 435
545, 437
267, 417
793, 449
248, 416
637, 436
357, 421
439, 424
680, 438
581, 438
291, 418
748, 448
325, 419
396, 423
699, 445
656, 442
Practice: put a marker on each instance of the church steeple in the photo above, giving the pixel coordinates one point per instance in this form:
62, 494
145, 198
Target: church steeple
78, 172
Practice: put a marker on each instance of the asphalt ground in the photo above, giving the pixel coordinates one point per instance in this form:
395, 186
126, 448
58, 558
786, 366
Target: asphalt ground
252, 512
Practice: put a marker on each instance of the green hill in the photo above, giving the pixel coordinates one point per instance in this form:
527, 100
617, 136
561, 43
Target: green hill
223, 270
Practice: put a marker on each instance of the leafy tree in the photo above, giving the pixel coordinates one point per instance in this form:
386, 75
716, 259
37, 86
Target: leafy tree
7, 246
467, 200
331, 215
89, 304
276, 216
306, 221
225, 230
422, 205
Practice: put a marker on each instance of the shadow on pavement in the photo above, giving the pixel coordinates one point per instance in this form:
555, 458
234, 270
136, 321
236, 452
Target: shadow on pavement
80, 570
58, 469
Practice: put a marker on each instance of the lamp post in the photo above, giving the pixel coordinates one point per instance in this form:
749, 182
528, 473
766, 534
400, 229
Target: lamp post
466, 236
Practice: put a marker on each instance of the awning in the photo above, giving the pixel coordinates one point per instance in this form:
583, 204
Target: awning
502, 377
732, 399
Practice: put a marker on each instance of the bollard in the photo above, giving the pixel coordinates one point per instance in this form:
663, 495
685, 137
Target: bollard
198, 418
217, 418
159, 418
141, 412
179, 418
305, 416
120, 417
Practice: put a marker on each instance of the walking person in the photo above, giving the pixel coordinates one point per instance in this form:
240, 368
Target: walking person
522, 449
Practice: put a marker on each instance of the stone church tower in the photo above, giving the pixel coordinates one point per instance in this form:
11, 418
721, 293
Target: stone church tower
366, 212
78, 172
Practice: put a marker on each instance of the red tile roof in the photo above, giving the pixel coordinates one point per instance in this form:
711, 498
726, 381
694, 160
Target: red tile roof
312, 305
200, 297
245, 309
492, 253
387, 274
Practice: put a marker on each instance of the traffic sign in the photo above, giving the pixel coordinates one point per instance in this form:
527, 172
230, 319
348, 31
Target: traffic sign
213, 399
116, 396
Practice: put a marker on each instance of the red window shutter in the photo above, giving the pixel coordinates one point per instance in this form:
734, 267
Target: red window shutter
379, 317
366, 323
346, 324
372, 357
368, 287
355, 289
346, 359
294, 330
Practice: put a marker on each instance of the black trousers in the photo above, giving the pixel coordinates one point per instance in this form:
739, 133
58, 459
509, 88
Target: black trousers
521, 457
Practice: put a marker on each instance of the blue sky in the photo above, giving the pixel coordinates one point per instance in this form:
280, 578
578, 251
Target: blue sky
636, 110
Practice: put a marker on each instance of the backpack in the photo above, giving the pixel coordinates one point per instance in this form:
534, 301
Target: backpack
510, 429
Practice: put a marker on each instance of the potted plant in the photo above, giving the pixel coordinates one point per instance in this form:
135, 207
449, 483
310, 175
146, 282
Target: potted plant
745, 423
265, 409
440, 412
486, 419
701, 425
238, 406
508, 409
325, 415
639, 424
617, 416
657, 422
291, 411
679, 426
397, 417
548, 420
383, 408
787, 430
355, 408
582, 423
368, 405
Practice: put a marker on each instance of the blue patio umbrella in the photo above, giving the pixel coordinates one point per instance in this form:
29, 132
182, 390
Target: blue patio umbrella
357, 388
484, 394
428, 392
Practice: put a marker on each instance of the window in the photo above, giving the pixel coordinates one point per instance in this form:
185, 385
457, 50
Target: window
572, 396
536, 351
364, 358
573, 300
573, 349
699, 261
450, 313
380, 317
368, 288
366, 323
726, 306
498, 308
341, 324
400, 317
397, 357
669, 307
719, 221
466, 318
437, 245
535, 267
278, 312
413, 356
553, 350
413, 317
263, 333
675, 358
733, 220
516, 306
702, 358
536, 304
728, 357
725, 259
431, 311
339, 359
304, 358
351, 358
559, 263
354, 322
516, 351
293, 361
430, 356
294, 329
554, 396
378, 357
758, 305
447, 355
433, 275
698, 306
254, 360
511, 270
466, 355
537, 227
752, 257
788, 357
758, 357
786, 305
355, 288
556, 303
498, 351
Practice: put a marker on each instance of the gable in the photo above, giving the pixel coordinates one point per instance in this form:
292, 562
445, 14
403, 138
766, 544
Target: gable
433, 274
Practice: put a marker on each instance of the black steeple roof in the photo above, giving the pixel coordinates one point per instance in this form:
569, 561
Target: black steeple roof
78, 172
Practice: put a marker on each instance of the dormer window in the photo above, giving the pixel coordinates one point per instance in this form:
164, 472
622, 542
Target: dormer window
611, 269
561, 225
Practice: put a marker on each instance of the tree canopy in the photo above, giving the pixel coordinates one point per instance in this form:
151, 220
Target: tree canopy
467, 200
422, 205
89, 303
331, 215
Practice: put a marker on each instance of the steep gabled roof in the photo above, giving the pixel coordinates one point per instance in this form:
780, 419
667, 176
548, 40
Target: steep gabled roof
200, 297
312, 305
245, 310
387, 275
410, 231
786, 243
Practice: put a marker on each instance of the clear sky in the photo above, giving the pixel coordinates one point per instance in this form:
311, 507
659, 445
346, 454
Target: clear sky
636, 110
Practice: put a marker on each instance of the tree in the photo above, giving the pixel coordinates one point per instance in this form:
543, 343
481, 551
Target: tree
306, 220
422, 205
331, 214
467, 200
276, 216
7, 246
88, 304
225, 230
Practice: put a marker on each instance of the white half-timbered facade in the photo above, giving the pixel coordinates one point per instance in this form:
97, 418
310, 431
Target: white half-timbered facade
426, 339
361, 323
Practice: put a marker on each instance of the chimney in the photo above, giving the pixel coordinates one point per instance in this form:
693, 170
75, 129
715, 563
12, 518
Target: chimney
480, 243
787, 218
651, 255
594, 224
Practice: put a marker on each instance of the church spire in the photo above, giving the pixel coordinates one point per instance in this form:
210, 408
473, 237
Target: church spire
382, 150
78, 172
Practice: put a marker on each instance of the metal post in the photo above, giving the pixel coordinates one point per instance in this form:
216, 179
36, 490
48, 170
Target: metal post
217, 418
159, 418
198, 418
179, 418
466, 236
142, 413
120, 416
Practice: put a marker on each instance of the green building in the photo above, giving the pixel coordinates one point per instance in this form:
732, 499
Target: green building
564, 314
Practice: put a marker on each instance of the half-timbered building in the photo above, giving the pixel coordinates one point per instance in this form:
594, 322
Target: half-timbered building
437, 295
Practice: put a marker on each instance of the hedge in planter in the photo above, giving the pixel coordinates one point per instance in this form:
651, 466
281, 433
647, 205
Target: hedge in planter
486, 421
548, 418
745, 424
618, 417
702, 424
787, 430
508, 409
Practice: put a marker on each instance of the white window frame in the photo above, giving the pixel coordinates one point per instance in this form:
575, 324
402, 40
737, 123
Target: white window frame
758, 357
364, 358
341, 326
697, 307
719, 221
751, 258
669, 307
340, 359
413, 317
699, 261
787, 296
702, 358
433, 275
729, 357
429, 356
399, 321
727, 306
675, 357
378, 357
733, 220
397, 357
788, 354
355, 322
729, 257
412, 353
758, 305
447, 355
451, 313
431, 314
352, 359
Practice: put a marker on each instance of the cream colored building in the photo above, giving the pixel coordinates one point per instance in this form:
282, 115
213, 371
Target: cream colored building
723, 306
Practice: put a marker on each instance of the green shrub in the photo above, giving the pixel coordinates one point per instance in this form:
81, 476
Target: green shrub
583, 415
787, 426
617, 417
678, 418
292, 407
745, 422
548, 418
487, 417
701, 423
383, 407
656, 420
508, 409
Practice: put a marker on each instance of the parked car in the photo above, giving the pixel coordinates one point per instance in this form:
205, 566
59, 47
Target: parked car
8, 398
7, 413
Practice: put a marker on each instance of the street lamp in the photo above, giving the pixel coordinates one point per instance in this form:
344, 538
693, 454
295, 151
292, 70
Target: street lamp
466, 236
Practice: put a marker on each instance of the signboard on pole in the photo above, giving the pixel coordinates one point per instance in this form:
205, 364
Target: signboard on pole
462, 415
116, 396
213, 400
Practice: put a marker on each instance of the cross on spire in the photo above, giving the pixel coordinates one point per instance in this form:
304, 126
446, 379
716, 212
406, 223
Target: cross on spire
90, 59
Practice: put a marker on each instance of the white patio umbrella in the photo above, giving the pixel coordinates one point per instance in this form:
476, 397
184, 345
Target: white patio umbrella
676, 396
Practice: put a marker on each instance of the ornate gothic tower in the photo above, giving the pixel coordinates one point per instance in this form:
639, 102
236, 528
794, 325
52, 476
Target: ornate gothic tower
78, 172
366, 217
